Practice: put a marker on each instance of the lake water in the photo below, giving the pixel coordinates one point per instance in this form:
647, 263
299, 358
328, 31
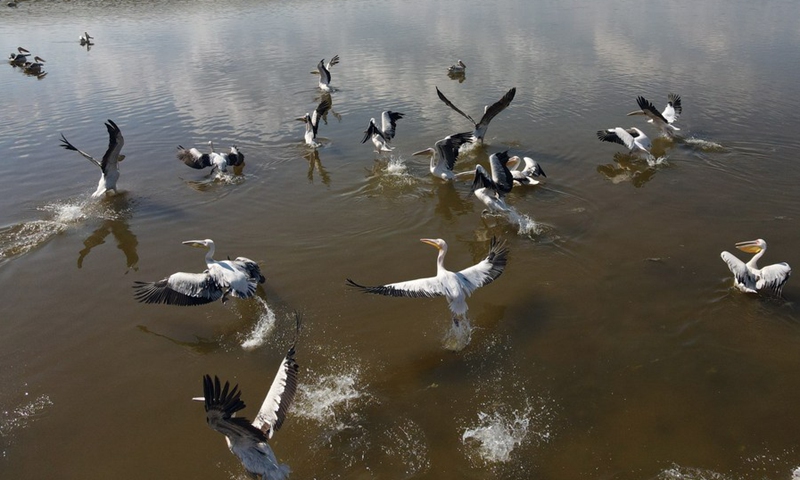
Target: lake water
612, 347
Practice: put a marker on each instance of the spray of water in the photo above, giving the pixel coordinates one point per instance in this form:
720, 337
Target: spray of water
263, 327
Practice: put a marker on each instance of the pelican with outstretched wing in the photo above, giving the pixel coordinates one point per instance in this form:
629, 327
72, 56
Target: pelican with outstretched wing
220, 162
632, 138
748, 278
238, 278
491, 189
663, 120
489, 112
454, 286
312, 120
444, 154
109, 164
381, 137
324, 72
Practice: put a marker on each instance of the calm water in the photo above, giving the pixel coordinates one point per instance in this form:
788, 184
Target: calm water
612, 346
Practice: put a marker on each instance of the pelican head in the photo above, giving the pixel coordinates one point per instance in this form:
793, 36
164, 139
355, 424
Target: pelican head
752, 246
427, 151
435, 242
199, 243
211, 146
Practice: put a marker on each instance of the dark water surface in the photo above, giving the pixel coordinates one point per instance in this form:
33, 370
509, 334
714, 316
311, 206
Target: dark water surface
613, 345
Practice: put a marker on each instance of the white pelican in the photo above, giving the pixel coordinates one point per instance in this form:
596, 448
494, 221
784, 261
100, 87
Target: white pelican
454, 286
663, 120
217, 161
35, 67
221, 278
20, 57
247, 440
748, 278
382, 136
525, 170
86, 39
444, 155
325, 73
109, 164
633, 138
489, 112
459, 67
491, 190
312, 121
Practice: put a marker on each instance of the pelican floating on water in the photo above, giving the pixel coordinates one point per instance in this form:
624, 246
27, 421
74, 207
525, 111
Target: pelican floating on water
454, 286
489, 112
382, 136
325, 73
663, 120
239, 278
459, 67
19, 58
748, 278
35, 67
110, 163
525, 170
86, 39
633, 138
492, 189
247, 440
217, 161
444, 155
312, 121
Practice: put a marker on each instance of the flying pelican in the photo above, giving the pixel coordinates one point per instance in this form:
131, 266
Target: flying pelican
19, 58
525, 175
454, 286
109, 164
491, 190
489, 112
444, 155
633, 138
312, 121
35, 67
86, 39
382, 136
748, 278
459, 67
663, 120
325, 73
238, 277
217, 161
247, 440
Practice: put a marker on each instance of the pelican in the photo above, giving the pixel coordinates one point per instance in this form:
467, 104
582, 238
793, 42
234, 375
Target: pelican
663, 120
221, 278
454, 286
382, 136
459, 67
109, 164
525, 175
325, 73
633, 138
312, 121
217, 161
35, 67
444, 155
247, 440
19, 58
748, 278
491, 189
86, 39
489, 112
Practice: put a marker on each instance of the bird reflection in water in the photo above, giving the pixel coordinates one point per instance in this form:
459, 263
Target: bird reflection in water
449, 203
200, 345
116, 224
314, 164
628, 168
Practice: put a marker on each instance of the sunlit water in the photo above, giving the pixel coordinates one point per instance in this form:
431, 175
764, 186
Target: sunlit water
612, 346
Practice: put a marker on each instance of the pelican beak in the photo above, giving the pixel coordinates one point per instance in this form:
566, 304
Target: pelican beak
749, 246
431, 242
513, 161
301, 119
198, 399
195, 243
427, 151
637, 112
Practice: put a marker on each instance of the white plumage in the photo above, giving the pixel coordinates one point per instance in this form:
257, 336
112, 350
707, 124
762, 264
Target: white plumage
748, 278
325, 73
632, 138
525, 171
311, 121
444, 155
489, 112
492, 189
663, 120
220, 162
381, 137
109, 164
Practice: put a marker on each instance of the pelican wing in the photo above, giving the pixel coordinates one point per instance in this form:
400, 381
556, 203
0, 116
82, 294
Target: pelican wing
421, 287
496, 108
280, 396
488, 269
673, 109
450, 104
180, 289
334, 61
773, 277
370, 131
616, 135
501, 175
65, 143
324, 74
449, 145
650, 110
221, 404
234, 158
193, 158
482, 179
389, 123
321, 110
741, 273
115, 143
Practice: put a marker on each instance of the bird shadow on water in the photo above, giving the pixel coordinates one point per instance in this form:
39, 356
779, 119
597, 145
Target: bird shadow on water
631, 168
117, 226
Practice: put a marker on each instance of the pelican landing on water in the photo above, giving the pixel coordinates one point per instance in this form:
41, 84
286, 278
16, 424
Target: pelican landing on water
217, 161
489, 112
382, 136
663, 120
324, 72
458, 68
444, 154
109, 165
238, 278
633, 138
748, 278
454, 286
492, 189
18, 59
311, 121
525, 170
247, 440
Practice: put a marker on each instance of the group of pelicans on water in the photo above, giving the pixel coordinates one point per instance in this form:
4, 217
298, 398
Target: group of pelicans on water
240, 277
35, 68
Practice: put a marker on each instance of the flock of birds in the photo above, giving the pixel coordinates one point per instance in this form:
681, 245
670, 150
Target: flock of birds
240, 277
35, 68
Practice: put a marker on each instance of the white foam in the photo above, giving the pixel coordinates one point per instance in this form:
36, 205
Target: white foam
796, 473
396, 166
497, 435
656, 161
704, 145
21, 238
262, 328
684, 473
458, 336
327, 396
21, 416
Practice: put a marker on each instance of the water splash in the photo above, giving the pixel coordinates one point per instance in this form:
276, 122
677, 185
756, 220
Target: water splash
704, 145
262, 328
498, 434
21, 416
328, 396
23, 237
683, 473
396, 166
653, 161
458, 336
526, 225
